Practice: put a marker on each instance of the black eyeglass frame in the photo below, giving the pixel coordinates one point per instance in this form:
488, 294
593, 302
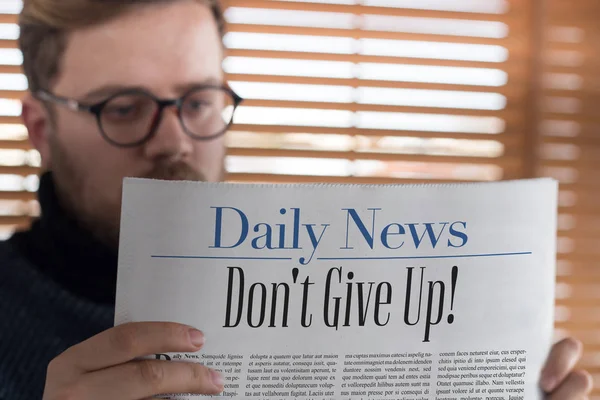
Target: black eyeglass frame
97, 108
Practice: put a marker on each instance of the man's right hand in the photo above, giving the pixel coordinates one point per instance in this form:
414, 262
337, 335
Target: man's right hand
106, 366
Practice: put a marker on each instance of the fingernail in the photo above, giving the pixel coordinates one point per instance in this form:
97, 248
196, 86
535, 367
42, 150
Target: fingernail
217, 378
196, 337
548, 383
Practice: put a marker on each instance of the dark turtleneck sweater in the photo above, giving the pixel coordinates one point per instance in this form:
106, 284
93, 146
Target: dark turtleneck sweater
57, 288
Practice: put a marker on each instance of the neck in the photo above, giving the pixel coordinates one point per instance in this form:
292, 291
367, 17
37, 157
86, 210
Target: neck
61, 248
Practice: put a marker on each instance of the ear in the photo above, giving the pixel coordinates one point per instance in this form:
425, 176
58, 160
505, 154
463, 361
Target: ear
37, 121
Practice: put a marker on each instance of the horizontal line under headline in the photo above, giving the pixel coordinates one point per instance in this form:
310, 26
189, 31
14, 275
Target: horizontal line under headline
428, 257
225, 258
524, 253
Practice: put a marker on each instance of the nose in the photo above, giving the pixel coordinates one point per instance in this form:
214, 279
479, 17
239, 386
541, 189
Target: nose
170, 140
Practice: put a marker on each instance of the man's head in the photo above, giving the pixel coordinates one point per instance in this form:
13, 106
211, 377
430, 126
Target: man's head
90, 50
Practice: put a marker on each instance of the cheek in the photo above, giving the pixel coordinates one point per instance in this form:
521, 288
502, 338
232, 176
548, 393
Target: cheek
85, 144
98, 165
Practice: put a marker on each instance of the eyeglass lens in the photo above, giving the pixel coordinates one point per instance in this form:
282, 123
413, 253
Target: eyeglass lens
129, 118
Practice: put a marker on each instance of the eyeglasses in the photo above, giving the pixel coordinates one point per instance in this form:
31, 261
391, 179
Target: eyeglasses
131, 117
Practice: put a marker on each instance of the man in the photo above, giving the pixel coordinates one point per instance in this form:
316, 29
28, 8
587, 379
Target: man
102, 76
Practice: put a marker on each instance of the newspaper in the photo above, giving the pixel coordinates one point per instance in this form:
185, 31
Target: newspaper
321, 292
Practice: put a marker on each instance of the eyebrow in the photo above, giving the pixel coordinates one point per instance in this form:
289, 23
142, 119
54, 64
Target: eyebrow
110, 89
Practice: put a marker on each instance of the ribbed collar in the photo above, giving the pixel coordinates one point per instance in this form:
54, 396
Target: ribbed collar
66, 252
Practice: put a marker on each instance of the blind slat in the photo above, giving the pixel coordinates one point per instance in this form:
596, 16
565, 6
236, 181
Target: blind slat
10, 120
581, 211
588, 68
579, 278
22, 195
581, 234
580, 258
10, 69
19, 170
514, 44
19, 221
11, 94
515, 66
15, 144
8, 18
8, 44
592, 165
371, 9
507, 138
589, 141
283, 178
505, 162
571, 117
510, 115
514, 91
583, 93
575, 269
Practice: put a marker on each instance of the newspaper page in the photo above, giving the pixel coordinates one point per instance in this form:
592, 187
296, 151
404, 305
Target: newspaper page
323, 292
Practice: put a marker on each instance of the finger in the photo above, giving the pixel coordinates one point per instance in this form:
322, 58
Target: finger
576, 386
562, 359
130, 341
144, 379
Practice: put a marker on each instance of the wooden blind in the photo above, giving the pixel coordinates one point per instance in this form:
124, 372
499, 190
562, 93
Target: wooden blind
18, 163
389, 91
569, 150
382, 91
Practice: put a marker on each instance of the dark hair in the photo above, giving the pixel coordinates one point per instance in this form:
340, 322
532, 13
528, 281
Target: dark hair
45, 25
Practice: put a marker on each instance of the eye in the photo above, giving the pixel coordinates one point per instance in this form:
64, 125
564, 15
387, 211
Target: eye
128, 108
196, 105
122, 111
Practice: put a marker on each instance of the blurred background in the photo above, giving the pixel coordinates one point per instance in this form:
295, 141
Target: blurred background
394, 91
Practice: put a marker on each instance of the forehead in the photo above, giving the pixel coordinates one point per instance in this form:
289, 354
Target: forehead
156, 46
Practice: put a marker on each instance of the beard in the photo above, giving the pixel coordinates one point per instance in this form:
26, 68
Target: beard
174, 171
92, 207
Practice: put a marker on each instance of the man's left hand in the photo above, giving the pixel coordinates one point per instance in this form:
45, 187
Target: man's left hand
560, 380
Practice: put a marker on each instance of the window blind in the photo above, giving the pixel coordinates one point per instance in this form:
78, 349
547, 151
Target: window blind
382, 91
18, 163
569, 150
